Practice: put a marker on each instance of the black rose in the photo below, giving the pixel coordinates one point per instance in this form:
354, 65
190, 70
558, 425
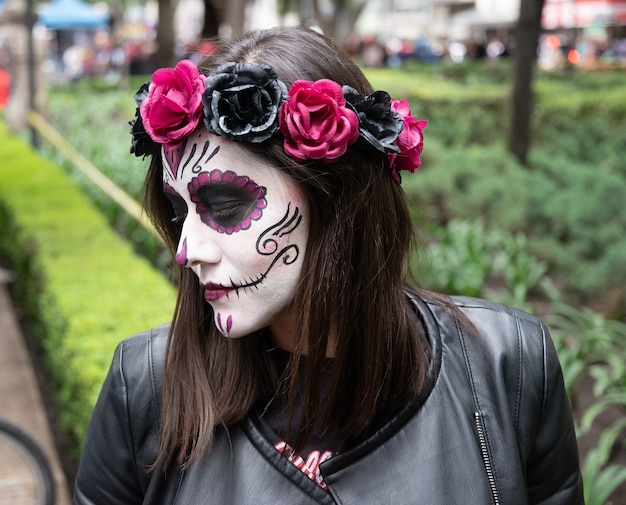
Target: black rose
379, 124
241, 101
141, 143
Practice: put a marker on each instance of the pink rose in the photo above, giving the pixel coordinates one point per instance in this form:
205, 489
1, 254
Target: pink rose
410, 141
316, 122
173, 107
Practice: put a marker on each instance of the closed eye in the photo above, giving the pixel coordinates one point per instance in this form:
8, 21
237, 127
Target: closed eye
226, 204
179, 207
228, 209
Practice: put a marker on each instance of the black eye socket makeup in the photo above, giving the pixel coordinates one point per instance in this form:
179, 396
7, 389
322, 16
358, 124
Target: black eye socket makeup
225, 201
227, 204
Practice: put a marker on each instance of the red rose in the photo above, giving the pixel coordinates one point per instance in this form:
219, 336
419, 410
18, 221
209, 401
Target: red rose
316, 122
410, 141
173, 107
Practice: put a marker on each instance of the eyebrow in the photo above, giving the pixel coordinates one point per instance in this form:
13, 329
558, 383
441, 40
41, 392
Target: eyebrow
203, 158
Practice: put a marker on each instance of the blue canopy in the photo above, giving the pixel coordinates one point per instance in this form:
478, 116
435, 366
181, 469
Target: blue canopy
71, 15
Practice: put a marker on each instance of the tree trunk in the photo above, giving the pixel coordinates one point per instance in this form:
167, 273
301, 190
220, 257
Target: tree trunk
235, 16
338, 24
526, 42
165, 34
213, 16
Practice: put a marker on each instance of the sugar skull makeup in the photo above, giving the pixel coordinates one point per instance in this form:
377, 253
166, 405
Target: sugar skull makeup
244, 228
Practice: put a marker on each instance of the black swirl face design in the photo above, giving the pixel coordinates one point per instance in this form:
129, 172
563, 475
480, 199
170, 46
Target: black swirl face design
269, 245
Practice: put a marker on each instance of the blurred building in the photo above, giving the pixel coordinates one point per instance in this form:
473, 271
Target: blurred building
438, 19
466, 28
564, 14
478, 20
585, 33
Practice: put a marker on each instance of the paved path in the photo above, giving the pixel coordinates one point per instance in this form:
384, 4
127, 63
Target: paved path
20, 398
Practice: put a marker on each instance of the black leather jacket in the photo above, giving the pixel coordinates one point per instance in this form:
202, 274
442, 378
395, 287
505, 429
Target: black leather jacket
496, 428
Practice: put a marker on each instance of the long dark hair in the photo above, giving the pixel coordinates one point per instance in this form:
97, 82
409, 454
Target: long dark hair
352, 284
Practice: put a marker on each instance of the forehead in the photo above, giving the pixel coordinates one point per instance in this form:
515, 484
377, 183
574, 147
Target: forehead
205, 152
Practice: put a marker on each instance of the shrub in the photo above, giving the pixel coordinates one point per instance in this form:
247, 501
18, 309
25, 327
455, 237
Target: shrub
584, 125
573, 217
80, 284
468, 258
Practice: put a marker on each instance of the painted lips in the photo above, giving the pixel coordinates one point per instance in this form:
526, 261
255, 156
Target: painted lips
213, 292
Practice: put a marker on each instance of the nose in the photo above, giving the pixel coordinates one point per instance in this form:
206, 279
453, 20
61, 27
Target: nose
197, 244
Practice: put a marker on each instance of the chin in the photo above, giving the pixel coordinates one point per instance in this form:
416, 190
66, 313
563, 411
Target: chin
228, 327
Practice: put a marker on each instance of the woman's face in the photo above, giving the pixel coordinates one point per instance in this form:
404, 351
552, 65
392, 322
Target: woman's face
244, 231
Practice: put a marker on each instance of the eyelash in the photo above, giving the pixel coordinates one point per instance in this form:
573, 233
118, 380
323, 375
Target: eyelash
222, 213
179, 216
226, 211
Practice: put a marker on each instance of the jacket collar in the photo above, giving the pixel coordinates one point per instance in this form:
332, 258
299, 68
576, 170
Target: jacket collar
388, 430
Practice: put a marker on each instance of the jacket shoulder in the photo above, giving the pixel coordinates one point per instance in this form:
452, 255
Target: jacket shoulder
139, 360
516, 349
155, 338
511, 334
478, 307
507, 330
145, 349
504, 349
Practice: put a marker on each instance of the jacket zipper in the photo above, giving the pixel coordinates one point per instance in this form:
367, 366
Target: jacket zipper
480, 429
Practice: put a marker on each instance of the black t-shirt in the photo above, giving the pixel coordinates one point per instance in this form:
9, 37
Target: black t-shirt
274, 424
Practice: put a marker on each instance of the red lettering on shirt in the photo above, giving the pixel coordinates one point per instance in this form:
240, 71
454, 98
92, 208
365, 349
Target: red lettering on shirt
310, 465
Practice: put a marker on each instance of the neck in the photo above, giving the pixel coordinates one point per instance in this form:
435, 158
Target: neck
283, 335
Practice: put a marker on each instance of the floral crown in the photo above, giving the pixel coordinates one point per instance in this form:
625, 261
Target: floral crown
246, 101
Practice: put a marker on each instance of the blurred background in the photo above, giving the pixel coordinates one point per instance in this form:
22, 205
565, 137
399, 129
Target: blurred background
520, 197
117, 37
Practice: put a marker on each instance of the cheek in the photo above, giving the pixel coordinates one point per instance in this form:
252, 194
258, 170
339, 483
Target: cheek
285, 228
273, 248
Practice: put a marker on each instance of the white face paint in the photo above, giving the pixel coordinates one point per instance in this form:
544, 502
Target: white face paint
244, 231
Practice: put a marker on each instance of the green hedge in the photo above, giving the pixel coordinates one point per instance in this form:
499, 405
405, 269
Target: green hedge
80, 286
572, 213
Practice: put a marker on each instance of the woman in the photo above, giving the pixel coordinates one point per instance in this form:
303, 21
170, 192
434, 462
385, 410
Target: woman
299, 368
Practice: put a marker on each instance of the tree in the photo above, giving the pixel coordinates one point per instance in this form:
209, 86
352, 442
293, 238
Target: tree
214, 14
217, 12
165, 34
337, 24
213, 17
526, 42
235, 16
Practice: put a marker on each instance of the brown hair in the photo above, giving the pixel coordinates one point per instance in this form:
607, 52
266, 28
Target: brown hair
352, 281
